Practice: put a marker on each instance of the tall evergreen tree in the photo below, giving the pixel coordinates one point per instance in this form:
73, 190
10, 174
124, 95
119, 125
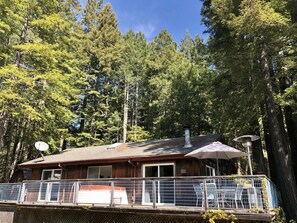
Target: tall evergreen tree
254, 32
37, 76
191, 86
133, 71
174, 89
99, 109
162, 62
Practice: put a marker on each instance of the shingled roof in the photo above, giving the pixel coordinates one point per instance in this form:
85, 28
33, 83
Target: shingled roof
124, 152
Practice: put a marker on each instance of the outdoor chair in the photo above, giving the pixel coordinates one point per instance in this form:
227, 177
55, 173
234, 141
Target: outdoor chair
199, 194
235, 196
211, 194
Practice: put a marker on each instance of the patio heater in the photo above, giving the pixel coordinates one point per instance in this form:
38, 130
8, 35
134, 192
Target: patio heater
246, 141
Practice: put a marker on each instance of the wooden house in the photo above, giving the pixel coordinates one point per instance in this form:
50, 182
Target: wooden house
142, 179
158, 158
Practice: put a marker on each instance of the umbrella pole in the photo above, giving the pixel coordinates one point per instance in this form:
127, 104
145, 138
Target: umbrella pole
218, 172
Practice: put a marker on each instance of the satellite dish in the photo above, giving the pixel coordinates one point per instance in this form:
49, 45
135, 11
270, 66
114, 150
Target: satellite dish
41, 146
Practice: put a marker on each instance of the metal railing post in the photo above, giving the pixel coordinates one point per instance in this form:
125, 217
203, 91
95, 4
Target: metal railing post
154, 193
21, 194
134, 193
76, 192
205, 195
112, 195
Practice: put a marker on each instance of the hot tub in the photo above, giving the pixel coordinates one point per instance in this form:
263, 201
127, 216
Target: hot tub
101, 194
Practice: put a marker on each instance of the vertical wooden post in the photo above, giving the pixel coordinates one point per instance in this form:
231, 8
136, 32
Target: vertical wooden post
21, 197
134, 193
154, 194
205, 195
76, 192
112, 195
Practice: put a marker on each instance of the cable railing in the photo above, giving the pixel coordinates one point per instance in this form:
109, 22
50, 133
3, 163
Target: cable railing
205, 193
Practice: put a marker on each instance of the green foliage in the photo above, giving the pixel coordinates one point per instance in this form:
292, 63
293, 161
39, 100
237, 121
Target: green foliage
103, 47
213, 215
138, 134
68, 76
174, 86
114, 125
279, 218
240, 30
38, 71
252, 47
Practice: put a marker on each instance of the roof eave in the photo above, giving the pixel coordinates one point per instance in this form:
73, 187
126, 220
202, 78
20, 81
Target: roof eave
104, 161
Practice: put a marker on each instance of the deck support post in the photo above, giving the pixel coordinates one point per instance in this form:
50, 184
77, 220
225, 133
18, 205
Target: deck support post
154, 194
205, 195
112, 194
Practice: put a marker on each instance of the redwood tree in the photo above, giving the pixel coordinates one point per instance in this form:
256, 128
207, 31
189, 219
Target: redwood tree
246, 39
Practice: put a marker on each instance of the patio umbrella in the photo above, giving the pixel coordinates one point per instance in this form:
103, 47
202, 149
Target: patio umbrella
216, 150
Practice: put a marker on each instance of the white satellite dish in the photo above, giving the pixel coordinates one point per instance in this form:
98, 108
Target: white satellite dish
41, 146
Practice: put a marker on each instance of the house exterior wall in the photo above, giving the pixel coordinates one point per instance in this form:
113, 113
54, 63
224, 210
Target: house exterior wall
183, 167
36, 174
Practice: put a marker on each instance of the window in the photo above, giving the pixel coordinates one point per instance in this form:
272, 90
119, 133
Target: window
51, 174
210, 171
164, 188
95, 172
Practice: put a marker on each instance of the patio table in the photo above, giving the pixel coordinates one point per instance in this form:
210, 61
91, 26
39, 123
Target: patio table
222, 194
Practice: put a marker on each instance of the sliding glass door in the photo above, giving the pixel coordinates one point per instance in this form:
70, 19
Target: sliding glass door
49, 190
164, 187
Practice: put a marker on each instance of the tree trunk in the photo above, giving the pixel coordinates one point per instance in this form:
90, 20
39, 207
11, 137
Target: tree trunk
22, 40
18, 146
292, 6
280, 148
92, 132
290, 124
267, 139
82, 115
258, 157
126, 101
136, 105
9, 134
136, 101
3, 124
292, 133
15, 158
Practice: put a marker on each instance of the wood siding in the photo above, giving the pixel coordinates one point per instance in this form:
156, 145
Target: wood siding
183, 167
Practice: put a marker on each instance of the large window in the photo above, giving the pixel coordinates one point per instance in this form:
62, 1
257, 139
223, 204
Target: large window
164, 188
95, 172
49, 190
51, 174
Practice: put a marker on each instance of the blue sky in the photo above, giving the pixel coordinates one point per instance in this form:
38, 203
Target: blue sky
151, 16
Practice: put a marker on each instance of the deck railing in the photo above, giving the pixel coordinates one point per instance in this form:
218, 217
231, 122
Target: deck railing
224, 192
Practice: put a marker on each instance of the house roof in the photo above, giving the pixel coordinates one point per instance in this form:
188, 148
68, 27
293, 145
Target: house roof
149, 150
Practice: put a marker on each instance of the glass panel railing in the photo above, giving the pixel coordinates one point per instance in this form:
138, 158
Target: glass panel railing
10, 192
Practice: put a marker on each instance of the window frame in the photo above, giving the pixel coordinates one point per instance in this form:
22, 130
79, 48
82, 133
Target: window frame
52, 174
99, 169
173, 164
210, 169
